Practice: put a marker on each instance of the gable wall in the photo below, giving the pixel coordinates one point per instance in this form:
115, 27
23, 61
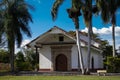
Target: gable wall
54, 38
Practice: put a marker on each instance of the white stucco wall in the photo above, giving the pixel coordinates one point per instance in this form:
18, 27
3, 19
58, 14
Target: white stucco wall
98, 62
98, 59
45, 57
74, 57
84, 51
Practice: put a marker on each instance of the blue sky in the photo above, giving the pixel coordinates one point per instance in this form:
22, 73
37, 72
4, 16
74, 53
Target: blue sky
42, 21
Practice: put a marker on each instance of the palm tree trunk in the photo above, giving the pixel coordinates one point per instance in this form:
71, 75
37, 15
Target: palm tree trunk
11, 51
113, 39
80, 51
12, 60
89, 50
79, 69
113, 21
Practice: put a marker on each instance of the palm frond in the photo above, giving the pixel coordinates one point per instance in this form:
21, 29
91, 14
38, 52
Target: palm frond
87, 12
55, 7
16, 18
76, 4
112, 6
86, 15
25, 29
118, 3
95, 10
74, 12
18, 37
103, 6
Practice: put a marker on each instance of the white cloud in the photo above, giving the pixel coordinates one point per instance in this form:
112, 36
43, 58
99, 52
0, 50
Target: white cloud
106, 34
24, 42
117, 30
105, 31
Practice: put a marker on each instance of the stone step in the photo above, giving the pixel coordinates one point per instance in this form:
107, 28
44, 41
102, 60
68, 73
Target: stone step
48, 73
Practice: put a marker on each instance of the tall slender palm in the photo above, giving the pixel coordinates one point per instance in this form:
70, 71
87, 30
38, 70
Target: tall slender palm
74, 13
87, 14
14, 22
111, 7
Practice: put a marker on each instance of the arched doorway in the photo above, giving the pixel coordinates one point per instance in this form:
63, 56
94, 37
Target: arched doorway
92, 63
61, 63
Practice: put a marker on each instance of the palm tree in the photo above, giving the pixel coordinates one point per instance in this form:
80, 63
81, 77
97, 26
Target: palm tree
113, 6
108, 9
87, 14
14, 22
74, 13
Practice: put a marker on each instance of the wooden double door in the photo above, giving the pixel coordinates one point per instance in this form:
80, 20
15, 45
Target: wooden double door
61, 63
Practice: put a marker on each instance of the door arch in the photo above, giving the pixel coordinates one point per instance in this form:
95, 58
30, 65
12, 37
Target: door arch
92, 63
61, 63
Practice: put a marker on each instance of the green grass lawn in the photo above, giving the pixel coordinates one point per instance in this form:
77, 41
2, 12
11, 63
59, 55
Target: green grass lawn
60, 77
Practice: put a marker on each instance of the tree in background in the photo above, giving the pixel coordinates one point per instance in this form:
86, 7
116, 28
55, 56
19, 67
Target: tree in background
4, 60
19, 60
26, 60
4, 56
14, 20
31, 56
112, 64
107, 51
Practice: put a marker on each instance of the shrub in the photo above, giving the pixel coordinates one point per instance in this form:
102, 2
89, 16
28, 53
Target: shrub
113, 64
24, 66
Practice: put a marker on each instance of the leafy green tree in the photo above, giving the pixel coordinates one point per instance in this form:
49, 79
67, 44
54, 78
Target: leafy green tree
20, 56
14, 20
106, 51
19, 60
110, 63
113, 64
4, 56
31, 57
26, 60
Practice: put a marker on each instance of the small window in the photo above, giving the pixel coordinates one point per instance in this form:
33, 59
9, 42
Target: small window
61, 38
